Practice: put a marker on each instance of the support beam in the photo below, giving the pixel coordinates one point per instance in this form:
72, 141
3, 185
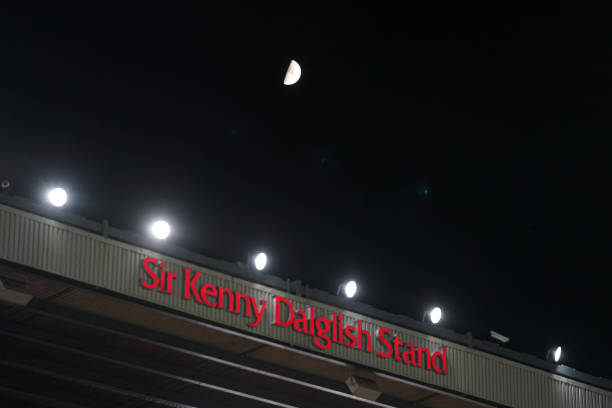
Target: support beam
39, 395
86, 379
272, 388
12, 296
110, 327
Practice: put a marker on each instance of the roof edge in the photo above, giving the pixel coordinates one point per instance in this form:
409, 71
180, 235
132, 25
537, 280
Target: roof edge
297, 287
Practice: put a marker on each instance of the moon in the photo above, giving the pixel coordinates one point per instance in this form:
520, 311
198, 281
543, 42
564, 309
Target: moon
293, 73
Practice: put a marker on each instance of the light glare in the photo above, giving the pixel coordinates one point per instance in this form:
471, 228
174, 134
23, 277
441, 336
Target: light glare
435, 315
57, 197
160, 229
557, 354
350, 289
260, 261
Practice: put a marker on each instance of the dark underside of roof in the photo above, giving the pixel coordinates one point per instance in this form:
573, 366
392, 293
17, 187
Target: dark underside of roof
71, 346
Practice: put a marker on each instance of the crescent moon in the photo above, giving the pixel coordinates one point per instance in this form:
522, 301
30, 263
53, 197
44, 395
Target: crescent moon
293, 73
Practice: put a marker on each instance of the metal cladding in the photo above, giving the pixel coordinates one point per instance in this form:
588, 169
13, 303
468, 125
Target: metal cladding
50, 246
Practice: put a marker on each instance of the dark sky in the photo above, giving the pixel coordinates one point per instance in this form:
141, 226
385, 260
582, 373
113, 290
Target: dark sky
437, 154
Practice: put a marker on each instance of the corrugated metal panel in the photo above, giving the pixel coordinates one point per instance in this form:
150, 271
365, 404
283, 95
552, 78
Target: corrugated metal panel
50, 246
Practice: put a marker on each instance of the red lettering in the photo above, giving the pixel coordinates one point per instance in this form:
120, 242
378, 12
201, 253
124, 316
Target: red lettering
277, 321
381, 336
321, 333
171, 277
153, 275
301, 320
325, 331
443, 356
189, 285
396, 343
247, 302
360, 334
207, 290
163, 277
409, 353
420, 351
230, 295
350, 333
258, 312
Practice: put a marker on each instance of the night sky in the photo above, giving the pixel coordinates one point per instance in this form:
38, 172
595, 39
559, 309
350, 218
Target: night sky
436, 154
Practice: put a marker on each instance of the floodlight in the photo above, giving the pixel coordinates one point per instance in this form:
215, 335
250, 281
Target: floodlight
260, 261
348, 289
557, 354
57, 197
554, 354
160, 229
433, 315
